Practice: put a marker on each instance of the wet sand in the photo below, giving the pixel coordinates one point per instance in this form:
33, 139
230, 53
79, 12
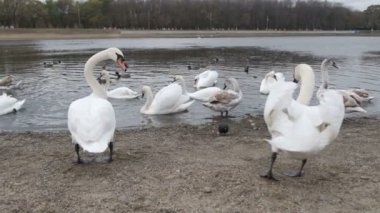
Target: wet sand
36, 34
190, 169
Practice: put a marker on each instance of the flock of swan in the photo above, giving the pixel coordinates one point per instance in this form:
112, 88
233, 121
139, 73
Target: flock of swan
295, 127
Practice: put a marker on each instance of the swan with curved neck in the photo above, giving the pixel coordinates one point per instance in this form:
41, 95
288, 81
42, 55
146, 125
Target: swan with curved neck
117, 93
91, 120
353, 98
291, 122
202, 95
169, 99
226, 100
304, 73
205, 79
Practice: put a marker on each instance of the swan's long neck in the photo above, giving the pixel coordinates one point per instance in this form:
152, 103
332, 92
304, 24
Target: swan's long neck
108, 81
307, 86
97, 89
184, 88
149, 98
324, 74
235, 86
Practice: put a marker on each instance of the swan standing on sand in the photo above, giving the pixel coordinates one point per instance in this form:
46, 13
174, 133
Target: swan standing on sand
225, 100
268, 81
118, 93
298, 129
9, 104
353, 98
205, 79
202, 95
168, 100
91, 120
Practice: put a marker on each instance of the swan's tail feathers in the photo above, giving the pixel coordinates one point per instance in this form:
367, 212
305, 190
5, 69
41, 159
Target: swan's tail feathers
18, 105
279, 97
282, 143
355, 109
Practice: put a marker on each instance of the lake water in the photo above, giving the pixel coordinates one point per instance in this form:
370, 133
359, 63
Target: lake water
49, 90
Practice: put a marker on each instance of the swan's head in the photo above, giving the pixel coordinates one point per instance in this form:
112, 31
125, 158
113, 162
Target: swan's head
145, 89
329, 62
116, 55
230, 81
178, 78
302, 71
269, 80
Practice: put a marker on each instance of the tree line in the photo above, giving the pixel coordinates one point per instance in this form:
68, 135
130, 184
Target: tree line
187, 14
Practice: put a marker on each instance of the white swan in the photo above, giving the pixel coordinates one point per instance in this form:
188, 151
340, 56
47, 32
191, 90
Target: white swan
268, 81
118, 93
353, 98
169, 99
202, 95
225, 100
298, 129
9, 104
91, 120
205, 79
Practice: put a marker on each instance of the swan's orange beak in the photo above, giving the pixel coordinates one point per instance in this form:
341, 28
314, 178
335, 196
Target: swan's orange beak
122, 64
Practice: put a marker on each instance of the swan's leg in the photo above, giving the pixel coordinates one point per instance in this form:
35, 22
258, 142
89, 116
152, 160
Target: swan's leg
110, 146
269, 174
226, 113
221, 114
300, 172
79, 161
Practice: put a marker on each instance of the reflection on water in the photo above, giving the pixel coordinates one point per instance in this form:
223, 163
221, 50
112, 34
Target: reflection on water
50, 90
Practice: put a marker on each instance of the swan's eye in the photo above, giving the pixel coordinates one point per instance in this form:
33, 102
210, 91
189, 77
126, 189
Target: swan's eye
275, 77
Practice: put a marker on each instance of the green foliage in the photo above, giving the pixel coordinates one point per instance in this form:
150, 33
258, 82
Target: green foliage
187, 14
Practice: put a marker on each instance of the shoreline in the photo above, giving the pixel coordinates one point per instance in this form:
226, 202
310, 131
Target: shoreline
186, 168
39, 34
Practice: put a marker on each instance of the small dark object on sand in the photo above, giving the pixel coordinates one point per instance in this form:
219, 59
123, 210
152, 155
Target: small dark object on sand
223, 128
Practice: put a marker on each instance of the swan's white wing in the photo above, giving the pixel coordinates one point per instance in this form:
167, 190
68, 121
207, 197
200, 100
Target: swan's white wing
299, 128
204, 95
122, 93
166, 99
207, 78
224, 97
91, 121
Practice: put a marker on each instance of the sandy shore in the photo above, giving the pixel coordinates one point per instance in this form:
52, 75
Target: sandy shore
190, 169
35, 34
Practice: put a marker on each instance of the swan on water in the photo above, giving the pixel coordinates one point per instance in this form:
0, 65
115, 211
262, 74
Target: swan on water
353, 98
170, 99
297, 129
118, 93
91, 120
205, 79
225, 100
202, 95
9, 104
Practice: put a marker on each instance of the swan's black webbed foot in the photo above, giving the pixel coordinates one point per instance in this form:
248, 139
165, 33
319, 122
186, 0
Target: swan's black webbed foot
269, 174
110, 146
79, 161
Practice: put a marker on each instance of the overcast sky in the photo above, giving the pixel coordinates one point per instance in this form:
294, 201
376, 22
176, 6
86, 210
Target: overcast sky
357, 4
